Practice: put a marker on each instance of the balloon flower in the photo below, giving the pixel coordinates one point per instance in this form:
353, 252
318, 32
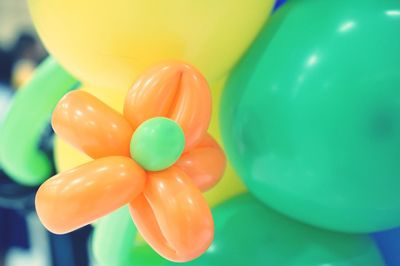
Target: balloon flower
157, 157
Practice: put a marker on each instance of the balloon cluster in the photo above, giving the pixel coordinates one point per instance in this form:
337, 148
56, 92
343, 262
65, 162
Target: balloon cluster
155, 157
308, 104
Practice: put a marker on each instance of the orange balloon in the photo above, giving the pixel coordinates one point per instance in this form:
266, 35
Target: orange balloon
167, 206
79, 196
91, 126
173, 217
68, 157
205, 164
177, 91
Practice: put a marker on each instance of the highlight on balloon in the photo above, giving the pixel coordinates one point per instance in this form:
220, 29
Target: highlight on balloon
156, 157
161, 133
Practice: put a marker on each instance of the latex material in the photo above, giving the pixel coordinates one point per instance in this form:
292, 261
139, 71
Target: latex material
12, 195
91, 126
180, 229
157, 144
230, 185
72, 199
311, 118
168, 207
19, 153
248, 233
272, 239
205, 164
174, 90
108, 251
111, 48
117, 242
389, 246
67, 157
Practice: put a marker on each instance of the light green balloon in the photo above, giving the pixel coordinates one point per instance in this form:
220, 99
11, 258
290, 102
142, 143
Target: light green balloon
114, 242
26, 120
157, 143
311, 115
113, 238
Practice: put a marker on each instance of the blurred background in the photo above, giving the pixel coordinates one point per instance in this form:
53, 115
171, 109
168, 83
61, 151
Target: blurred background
19, 44
23, 240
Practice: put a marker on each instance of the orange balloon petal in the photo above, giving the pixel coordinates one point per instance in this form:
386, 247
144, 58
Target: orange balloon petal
205, 164
145, 220
91, 126
174, 90
192, 109
173, 217
79, 196
152, 94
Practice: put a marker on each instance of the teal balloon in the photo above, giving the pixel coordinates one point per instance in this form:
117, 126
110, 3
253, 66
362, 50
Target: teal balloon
246, 233
249, 233
310, 117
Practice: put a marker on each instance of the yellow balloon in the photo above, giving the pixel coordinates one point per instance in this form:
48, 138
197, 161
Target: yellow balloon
67, 157
107, 43
230, 184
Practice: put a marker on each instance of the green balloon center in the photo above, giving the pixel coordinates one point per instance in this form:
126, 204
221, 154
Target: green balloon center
157, 143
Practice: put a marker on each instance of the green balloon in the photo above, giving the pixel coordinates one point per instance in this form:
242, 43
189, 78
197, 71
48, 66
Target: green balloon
246, 233
27, 118
311, 115
114, 242
249, 233
106, 250
157, 143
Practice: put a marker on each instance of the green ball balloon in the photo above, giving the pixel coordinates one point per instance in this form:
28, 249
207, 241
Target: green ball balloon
246, 233
157, 143
311, 115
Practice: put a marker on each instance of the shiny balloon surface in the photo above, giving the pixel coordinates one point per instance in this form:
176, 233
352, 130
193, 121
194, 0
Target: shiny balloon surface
247, 233
311, 116
108, 43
